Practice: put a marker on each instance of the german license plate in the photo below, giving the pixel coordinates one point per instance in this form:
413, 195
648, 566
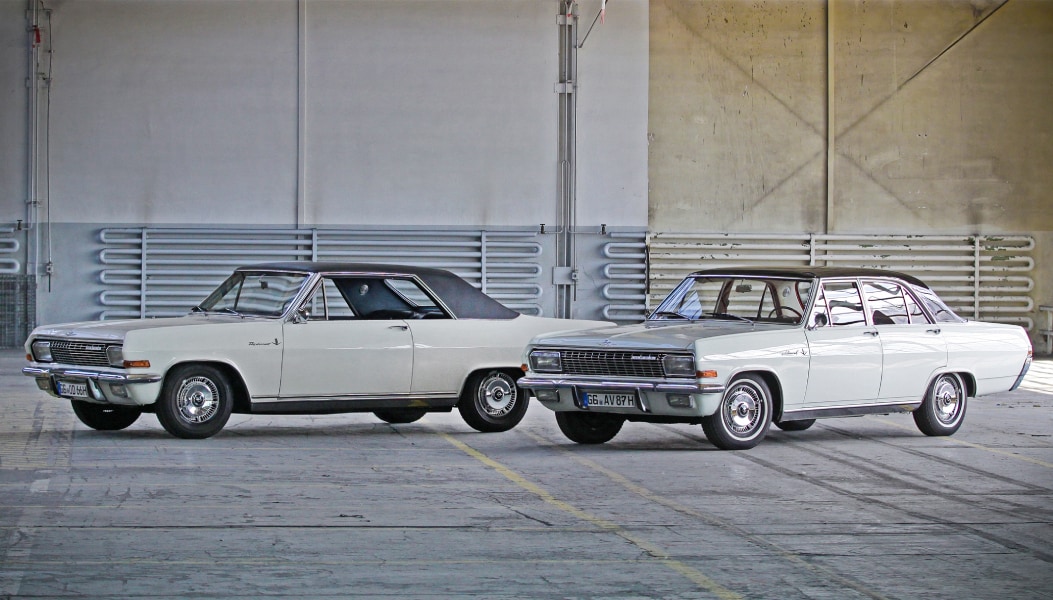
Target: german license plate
73, 389
608, 400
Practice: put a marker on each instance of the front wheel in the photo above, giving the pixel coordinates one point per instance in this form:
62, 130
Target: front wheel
589, 428
943, 410
103, 417
399, 416
744, 415
491, 401
196, 401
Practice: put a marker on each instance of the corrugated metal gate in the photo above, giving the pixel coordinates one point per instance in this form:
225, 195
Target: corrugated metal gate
152, 272
981, 277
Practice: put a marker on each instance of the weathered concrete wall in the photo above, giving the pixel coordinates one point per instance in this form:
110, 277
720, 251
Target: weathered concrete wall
941, 118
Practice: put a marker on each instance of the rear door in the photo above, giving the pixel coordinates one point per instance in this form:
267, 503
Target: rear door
913, 349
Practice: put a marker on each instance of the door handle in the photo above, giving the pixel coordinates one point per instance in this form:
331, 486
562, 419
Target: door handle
872, 333
933, 331
402, 327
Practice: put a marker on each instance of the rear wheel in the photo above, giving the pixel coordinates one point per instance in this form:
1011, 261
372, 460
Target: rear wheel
196, 401
491, 401
105, 417
744, 415
943, 410
589, 428
397, 416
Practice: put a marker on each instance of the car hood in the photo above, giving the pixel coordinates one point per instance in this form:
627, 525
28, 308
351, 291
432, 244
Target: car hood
672, 335
117, 330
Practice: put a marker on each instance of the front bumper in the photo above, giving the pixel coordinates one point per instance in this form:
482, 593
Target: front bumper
652, 396
108, 386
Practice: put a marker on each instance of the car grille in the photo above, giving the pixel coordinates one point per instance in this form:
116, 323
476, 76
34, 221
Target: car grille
613, 363
85, 354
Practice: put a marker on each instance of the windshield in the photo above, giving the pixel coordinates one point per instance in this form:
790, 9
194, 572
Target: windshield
254, 293
753, 299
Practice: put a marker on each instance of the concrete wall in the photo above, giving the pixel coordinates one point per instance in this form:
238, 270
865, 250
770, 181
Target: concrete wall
357, 113
940, 118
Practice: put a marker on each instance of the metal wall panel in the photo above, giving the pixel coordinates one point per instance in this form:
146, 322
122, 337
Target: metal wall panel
154, 272
981, 277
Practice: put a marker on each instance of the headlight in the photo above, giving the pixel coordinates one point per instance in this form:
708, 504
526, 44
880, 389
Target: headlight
42, 351
678, 365
115, 354
546, 361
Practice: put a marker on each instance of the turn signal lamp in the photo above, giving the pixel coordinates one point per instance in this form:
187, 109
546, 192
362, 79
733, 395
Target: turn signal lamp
707, 374
136, 364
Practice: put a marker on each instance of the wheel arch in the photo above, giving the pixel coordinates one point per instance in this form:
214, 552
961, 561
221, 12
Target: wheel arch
771, 379
514, 372
242, 399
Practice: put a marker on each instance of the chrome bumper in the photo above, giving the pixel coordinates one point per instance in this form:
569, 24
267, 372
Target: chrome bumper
91, 377
671, 387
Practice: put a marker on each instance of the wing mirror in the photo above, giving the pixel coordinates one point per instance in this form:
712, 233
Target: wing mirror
818, 320
301, 315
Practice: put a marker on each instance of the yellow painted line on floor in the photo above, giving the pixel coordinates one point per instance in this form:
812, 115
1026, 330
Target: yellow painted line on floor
663, 557
687, 510
951, 439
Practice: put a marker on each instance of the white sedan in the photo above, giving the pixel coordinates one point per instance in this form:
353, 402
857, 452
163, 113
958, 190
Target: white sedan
737, 349
300, 338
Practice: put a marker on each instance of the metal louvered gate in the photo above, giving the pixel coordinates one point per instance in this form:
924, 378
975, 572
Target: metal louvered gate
981, 277
155, 272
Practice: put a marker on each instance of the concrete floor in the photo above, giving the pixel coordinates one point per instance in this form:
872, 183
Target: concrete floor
346, 506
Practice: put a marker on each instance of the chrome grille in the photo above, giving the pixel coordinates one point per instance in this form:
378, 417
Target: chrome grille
84, 354
613, 363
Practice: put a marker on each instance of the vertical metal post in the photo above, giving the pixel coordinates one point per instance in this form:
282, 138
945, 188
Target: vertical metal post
482, 261
977, 240
142, 273
565, 87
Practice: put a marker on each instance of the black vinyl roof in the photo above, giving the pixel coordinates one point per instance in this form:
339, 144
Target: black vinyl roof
460, 297
810, 273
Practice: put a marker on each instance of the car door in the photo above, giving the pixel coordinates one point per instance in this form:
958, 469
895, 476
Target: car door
844, 350
912, 348
332, 351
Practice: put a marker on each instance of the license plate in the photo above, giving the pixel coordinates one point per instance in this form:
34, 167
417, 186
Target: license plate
607, 400
74, 390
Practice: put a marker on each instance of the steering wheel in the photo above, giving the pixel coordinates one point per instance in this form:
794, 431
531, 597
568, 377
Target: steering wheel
779, 310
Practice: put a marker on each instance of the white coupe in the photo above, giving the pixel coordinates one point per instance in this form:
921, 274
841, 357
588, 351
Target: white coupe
738, 349
299, 338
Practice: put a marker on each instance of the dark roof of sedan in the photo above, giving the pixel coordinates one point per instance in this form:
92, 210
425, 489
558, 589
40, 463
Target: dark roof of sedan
461, 297
810, 273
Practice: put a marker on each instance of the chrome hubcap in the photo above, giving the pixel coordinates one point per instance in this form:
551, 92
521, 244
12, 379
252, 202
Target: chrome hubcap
197, 400
947, 400
744, 410
497, 395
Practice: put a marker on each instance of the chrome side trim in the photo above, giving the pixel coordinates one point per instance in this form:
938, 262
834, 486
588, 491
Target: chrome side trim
686, 387
850, 411
113, 376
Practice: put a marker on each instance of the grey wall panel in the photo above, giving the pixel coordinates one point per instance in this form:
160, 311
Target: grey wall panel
14, 105
168, 111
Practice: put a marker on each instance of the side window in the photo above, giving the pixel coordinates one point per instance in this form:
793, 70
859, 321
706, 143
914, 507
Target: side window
939, 310
845, 304
886, 303
328, 303
914, 309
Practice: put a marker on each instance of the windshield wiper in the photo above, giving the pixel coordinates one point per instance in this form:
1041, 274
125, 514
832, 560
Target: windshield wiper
198, 309
727, 317
669, 314
230, 311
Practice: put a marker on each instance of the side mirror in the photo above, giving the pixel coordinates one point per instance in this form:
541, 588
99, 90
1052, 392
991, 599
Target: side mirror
302, 315
818, 320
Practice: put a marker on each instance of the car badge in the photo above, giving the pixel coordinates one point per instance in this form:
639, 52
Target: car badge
606, 343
